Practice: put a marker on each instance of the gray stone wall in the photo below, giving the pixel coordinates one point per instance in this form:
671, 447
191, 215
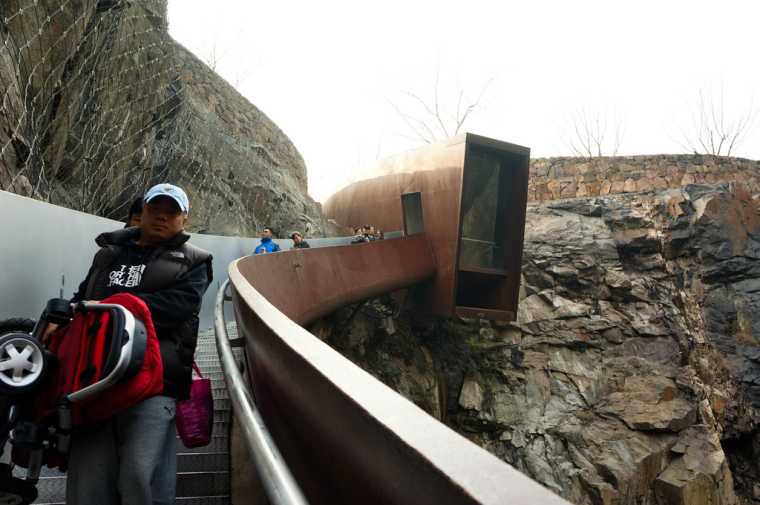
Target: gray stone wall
555, 178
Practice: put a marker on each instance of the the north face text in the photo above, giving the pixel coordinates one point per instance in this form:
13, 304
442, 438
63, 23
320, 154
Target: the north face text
126, 276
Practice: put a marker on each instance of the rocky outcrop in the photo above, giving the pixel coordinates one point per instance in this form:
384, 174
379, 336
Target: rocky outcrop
630, 375
99, 103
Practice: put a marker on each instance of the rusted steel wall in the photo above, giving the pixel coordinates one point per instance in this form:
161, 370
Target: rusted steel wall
347, 437
436, 172
306, 284
439, 172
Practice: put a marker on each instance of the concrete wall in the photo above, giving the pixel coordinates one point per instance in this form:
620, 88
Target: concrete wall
46, 251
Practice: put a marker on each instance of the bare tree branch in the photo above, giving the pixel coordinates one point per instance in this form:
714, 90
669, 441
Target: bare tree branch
712, 130
214, 54
585, 129
430, 120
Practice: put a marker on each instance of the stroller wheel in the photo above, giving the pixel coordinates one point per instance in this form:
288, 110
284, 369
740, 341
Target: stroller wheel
22, 363
16, 491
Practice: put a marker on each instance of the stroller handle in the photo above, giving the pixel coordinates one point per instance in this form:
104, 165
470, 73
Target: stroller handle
124, 358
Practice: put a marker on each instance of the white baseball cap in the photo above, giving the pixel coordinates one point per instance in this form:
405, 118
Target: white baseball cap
168, 190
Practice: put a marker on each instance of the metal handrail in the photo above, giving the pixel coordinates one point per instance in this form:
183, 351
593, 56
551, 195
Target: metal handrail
479, 241
279, 483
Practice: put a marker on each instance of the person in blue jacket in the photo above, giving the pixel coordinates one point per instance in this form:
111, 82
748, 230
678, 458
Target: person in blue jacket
266, 246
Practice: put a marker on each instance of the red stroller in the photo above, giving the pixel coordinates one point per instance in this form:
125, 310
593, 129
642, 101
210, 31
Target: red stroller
46, 393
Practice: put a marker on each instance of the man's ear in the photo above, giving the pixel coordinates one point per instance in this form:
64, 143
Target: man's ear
184, 221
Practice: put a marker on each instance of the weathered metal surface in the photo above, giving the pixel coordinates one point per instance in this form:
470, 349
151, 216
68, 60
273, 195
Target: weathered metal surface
438, 172
347, 438
306, 284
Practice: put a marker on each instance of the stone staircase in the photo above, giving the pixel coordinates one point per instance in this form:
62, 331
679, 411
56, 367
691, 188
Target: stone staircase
203, 473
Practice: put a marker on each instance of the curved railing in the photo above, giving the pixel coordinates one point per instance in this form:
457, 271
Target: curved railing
346, 437
276, 478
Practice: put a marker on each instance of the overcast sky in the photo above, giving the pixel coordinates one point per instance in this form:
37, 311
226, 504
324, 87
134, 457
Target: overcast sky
328, 72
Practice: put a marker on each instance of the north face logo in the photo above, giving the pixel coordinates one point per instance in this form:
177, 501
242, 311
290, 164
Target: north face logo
177, 254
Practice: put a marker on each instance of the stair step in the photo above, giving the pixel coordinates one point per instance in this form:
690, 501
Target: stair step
217, 444
51, 490
218, 384
218, 389
221, 416
219, 430
204, 500
203, 462
207, 346
207, 363
214, 374
197, 484
221, 404
44, 472
210, 351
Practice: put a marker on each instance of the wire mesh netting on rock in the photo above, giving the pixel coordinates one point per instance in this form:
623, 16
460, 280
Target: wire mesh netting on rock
99, 104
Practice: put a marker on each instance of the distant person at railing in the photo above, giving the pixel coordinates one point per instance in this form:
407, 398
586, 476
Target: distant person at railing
266, 246
379, 235
298, 241
135, 211
365, 235
358, 234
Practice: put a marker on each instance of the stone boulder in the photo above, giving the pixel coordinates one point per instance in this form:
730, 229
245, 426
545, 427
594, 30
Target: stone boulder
650, 404
699, 475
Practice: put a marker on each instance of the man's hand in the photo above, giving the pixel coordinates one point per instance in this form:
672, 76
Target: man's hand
74, 308
51, 328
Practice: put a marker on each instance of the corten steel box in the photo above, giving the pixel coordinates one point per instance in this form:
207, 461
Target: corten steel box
469, 193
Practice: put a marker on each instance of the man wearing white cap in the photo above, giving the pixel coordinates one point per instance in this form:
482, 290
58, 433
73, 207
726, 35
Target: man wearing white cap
132, 457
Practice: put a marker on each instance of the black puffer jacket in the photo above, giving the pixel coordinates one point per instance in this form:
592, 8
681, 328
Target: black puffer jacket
176, 276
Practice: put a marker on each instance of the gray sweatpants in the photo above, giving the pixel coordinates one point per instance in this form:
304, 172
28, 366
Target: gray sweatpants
132, 460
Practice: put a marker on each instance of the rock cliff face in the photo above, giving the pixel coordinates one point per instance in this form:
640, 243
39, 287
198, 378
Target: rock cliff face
631, 374
99, 103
